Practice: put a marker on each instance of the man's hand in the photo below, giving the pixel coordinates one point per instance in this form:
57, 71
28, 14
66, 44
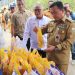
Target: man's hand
50, 48
35, 29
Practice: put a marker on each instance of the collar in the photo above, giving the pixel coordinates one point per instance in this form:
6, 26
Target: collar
61, 20
39, 19
21, 11
48, 10
64, 18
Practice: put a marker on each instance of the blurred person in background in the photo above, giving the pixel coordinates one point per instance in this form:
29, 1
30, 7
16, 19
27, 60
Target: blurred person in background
5, 17
12, 10
47, 11
69, 13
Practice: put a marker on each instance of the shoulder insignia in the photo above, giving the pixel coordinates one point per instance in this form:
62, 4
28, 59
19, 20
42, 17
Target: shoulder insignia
69, 20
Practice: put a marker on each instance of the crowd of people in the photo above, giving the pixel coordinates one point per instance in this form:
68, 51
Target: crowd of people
56, 25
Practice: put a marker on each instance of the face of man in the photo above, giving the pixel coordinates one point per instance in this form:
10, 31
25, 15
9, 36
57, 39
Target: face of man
20, 5
38, 12
67, 13
57, 13
12, 9
67, 6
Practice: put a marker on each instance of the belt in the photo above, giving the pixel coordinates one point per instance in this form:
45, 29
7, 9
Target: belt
18, 36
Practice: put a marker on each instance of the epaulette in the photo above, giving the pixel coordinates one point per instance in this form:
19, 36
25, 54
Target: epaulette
69, 20
51, 23
52, 20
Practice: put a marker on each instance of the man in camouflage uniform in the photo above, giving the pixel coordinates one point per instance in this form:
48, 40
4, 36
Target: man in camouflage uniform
19, 19
59, 37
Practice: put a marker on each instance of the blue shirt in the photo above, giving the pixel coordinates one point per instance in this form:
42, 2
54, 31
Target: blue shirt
72, 15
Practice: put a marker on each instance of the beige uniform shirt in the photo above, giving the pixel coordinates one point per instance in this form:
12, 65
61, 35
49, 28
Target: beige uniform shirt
48, 14
18, 20
60, 36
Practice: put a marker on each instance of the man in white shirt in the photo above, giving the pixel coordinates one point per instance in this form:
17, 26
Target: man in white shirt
38, 20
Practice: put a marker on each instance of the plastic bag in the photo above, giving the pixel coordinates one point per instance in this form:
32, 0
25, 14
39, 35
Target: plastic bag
40, 38
54, 71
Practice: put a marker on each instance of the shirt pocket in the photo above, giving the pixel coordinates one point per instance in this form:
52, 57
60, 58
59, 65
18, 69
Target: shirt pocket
19, 20
62, 34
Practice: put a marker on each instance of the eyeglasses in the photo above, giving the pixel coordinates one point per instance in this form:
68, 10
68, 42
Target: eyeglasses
11, 7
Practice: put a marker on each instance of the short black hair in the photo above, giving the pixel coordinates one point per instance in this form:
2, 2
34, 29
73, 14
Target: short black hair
59, 4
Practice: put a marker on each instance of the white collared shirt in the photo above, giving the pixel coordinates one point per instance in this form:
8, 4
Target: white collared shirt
28, 32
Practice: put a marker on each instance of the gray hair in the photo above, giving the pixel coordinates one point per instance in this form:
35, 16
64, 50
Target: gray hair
38, 5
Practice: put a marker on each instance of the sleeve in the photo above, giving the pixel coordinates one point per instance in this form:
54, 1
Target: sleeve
26, 34
13, 20
69, 39
6, 16
13, 23
29, 13
44, 29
